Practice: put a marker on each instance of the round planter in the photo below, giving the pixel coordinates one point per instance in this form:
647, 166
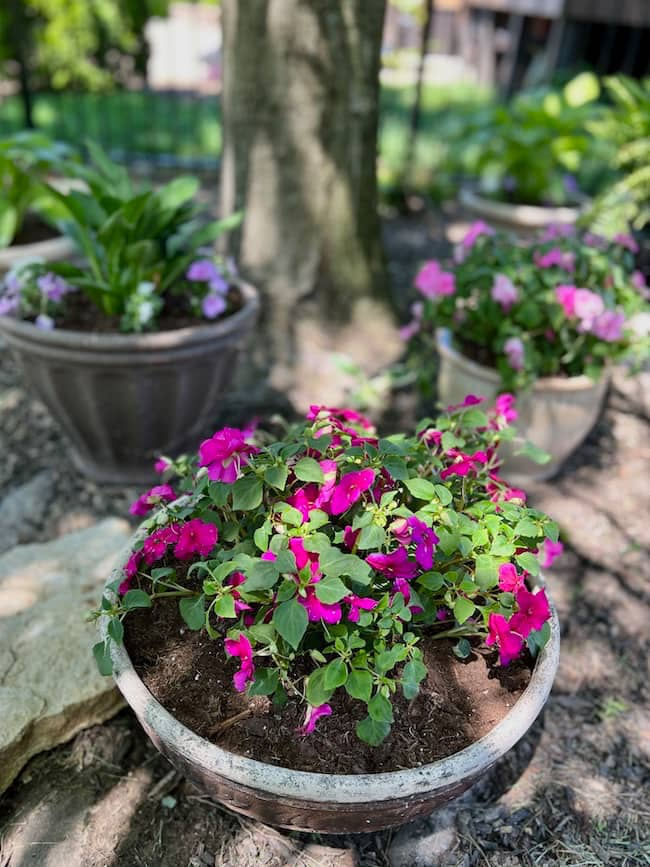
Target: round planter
56, 249
524, 220
123, 399
556, 414
328, 803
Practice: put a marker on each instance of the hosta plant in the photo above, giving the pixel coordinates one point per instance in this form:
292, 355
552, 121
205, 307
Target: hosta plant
559, 305
320, 562
144, 252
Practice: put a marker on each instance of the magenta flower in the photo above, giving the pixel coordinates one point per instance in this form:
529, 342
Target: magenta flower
349, 490
565, 295
554, 231
533, 612
638, 280
555, 257
433, 282
312, 496
224, 453
350, 537
505, 407
235, 580
304, 557
443, 613
196, 537
241, 648
408, 331
627, 241
316, 610
130, 571
312, 717
552, 550
469, 400
474, 232
394, 565
358, 604
514, 350
463, 464
161, 465
157, 495
500, 633
425, 541
431, 437
155, 546
587, 306
608, 326
213, 305
509, 579
504, 292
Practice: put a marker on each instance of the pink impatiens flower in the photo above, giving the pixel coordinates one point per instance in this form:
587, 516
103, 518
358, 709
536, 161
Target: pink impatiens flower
463, 464
394, 565
155, 546
224, 453
468, 400
146, 502
358, 604
552, 550
433, 282
349, 490
195, 537
504, 292
627, 241
565, 295
425, 541
533, 612
555, 257
330, 612
500, 632
509, 579
472, 235
130, 571
241, 648
312, 717
350, 537
161, 465
587, 306
608, 326
504, 406
514, 350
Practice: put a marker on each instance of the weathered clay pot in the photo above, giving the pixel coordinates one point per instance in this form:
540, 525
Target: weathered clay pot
556, 414
56, 249
524, 220
124, 398
329, 803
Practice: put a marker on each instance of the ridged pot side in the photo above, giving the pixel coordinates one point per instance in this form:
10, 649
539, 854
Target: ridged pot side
328, 803
58, 249
556, 414
123, 399
525, 220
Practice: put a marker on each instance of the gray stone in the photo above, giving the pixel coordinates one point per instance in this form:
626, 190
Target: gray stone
22, 510
426, 843
49, 686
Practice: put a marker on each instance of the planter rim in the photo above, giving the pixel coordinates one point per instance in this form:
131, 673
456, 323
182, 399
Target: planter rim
444, 343
532, 216
161, 340
49, 249
342, 788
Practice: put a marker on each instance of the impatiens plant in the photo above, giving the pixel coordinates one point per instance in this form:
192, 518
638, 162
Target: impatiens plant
144, 252
321, 562
558, 305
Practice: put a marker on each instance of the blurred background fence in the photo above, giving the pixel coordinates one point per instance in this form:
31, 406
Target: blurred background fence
143, 77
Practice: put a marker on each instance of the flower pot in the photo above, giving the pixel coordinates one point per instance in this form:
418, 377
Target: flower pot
524, 220
328, 803
556, 414
57, 249
124, 398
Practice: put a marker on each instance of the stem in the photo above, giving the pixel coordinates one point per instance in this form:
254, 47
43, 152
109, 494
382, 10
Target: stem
455, 632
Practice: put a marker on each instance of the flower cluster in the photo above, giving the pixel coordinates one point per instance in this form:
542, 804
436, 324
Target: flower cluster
30, 289
322, 561
558, 305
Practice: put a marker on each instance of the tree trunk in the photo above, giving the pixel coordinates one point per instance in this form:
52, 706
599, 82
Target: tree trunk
300, 111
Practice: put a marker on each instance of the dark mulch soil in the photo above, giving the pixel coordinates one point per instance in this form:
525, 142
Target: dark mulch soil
33, 230
189, 673
80, 314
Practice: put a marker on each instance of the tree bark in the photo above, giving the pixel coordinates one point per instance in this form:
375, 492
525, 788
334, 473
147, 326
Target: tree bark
300, 114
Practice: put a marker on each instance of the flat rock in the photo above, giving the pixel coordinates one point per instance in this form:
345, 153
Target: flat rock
22, 510
49, 685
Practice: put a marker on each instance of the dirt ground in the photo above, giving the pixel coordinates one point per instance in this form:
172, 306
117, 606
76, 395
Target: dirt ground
575, 791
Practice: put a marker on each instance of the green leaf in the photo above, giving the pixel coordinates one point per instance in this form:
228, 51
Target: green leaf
162, 572
192, 610
261, 536
528, 562
336, 673
449, 542
371, 537
487, 571
502, 548
276, 476
291, 515
261, 575
225, 606
316, 693
308, 470
421, 489
136, 599
443, 494
246, 494
265, 683
526, 527
463, 608
116, 630
317, 543
475, 418
103, 659
414, 672
380, 708
534, 453
317, 518
331, 590
397, 468
462, 648
537, 639
334, 563
372, 731
432, 581
359, 684
290, 619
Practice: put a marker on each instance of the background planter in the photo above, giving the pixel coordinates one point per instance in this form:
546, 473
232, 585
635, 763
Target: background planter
556, 414
122, 399
57, 249
330, 803
525, 220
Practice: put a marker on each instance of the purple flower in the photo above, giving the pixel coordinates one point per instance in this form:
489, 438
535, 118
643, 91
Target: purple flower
195, 537
242, 649
587, 306
312, 717
213, 305
358, 604
504, 291
394, 565
638, 280
425, 541
592, 239
349, 490
53, 287
627, 241
44, 322
203, 270
514, 350
555, 257
608, 326
433, 282
219, 285
9, 304
554, 231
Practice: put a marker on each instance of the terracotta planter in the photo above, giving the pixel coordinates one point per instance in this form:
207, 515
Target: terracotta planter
56, 249
556, 414
524, 220
329, 803
122, 399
